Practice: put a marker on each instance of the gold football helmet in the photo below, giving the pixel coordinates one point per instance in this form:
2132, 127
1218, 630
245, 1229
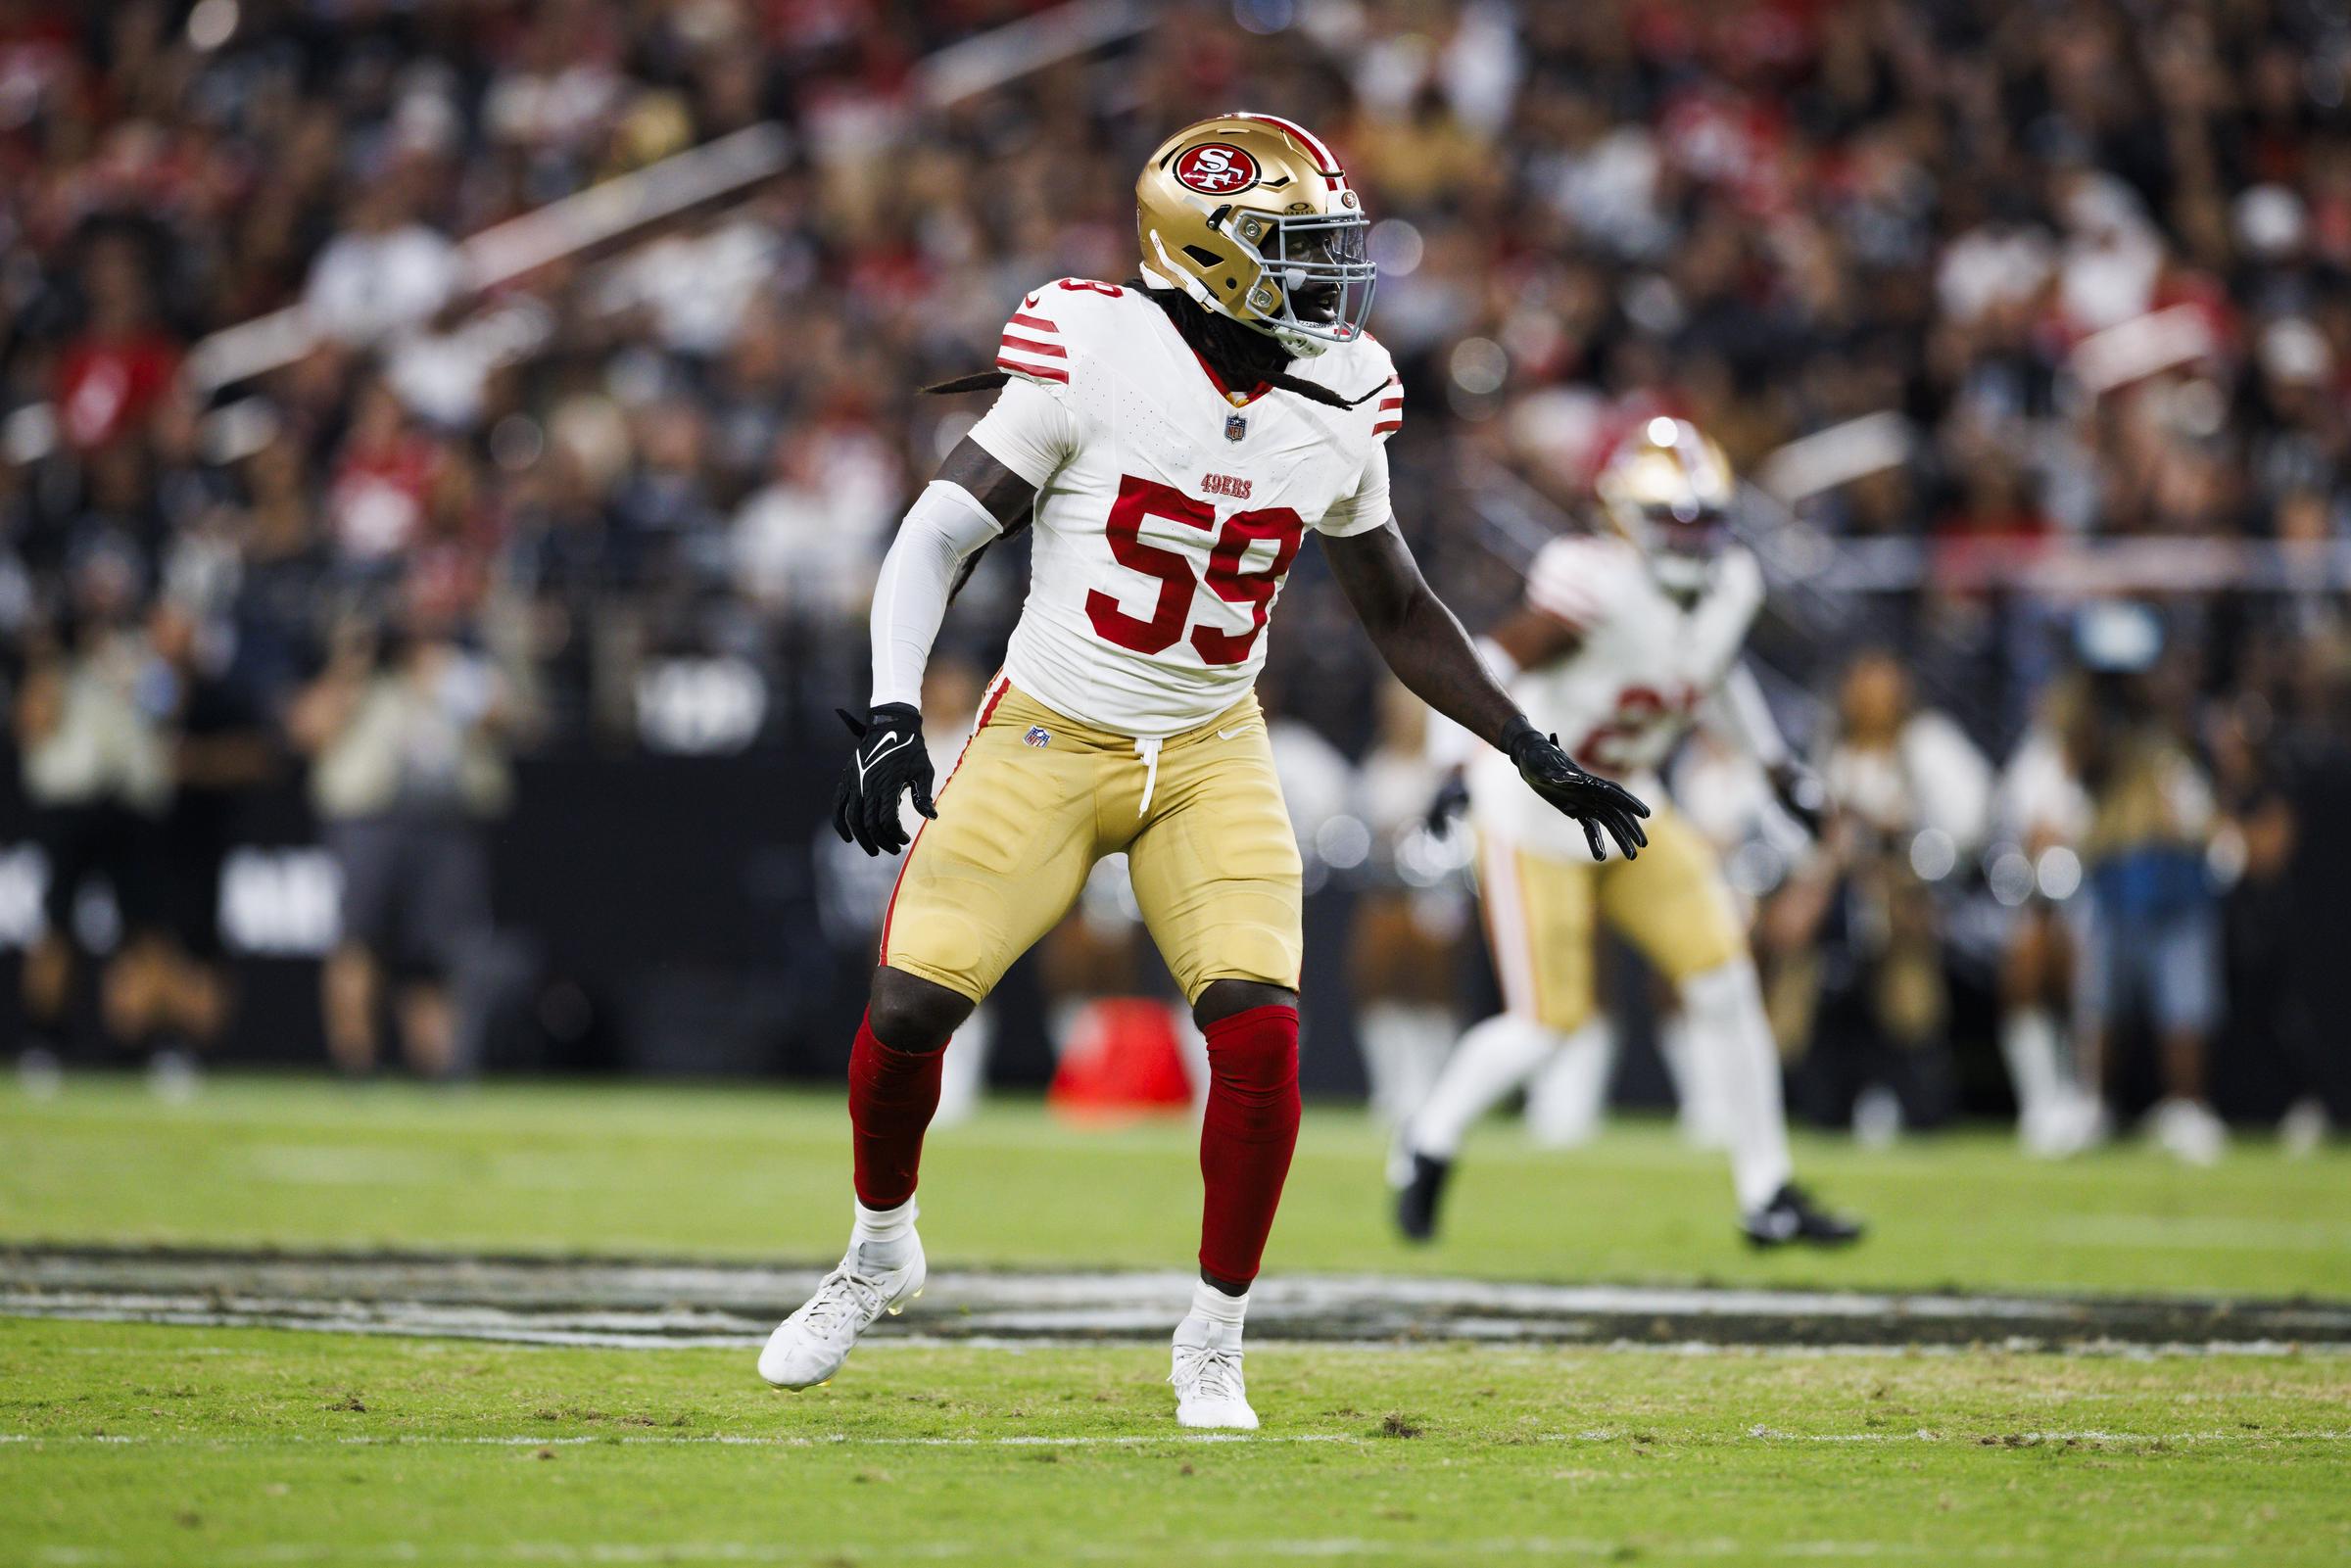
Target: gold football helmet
1253, 217
1667, 488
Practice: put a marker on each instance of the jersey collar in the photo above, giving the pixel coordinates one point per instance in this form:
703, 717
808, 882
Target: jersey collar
1239, 400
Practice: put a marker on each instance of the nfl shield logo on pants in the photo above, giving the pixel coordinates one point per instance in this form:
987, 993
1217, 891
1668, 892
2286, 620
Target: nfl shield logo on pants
1235, 427
1037, 735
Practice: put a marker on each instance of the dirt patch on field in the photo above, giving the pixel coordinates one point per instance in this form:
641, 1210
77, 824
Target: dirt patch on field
626, 1303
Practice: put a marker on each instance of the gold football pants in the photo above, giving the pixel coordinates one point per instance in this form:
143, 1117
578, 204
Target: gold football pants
1670, 904
1038, 797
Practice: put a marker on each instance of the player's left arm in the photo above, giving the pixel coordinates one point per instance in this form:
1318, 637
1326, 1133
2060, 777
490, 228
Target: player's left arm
1737, 711
1425, 647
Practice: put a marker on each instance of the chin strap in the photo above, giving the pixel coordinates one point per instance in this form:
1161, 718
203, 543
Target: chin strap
1175, 277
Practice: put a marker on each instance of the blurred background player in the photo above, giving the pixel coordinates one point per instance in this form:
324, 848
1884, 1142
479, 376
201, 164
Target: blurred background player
1171, 442
1619, 643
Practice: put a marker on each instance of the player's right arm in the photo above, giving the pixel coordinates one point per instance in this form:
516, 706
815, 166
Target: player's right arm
974, 500
984, 489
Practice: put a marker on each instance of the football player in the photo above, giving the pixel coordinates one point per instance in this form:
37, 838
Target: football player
1622, 638
1171, 442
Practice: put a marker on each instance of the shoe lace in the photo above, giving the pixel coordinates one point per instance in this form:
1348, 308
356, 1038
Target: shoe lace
1214, 1372
842, 1296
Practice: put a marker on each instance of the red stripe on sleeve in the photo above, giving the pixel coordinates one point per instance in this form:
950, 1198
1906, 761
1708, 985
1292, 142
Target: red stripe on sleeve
1385, 426
1021, 318
1049, 351
1041, 372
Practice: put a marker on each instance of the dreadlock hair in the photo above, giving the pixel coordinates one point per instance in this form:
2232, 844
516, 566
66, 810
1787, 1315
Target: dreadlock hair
1240, 356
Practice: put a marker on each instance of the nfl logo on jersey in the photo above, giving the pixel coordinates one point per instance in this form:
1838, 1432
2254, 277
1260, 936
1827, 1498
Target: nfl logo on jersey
1037, 735
1235, 427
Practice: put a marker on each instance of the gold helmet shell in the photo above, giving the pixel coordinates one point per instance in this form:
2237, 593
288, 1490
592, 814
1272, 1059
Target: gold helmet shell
1669, 487
1253, 217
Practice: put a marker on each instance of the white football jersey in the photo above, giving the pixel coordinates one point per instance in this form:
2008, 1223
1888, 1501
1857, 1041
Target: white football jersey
1619, 701
1169, 508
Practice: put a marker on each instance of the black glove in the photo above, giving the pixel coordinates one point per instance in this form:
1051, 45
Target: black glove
1800, 795
1590, 799
890, 759
1450, 800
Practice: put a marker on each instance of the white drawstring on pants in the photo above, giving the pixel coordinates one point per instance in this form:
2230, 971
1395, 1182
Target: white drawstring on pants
1147, 748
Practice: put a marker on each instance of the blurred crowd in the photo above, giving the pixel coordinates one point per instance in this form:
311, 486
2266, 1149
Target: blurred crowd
1966, 285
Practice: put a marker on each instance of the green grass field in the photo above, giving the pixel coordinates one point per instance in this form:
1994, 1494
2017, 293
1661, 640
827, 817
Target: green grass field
136, 1445
154, 1446
753, 1173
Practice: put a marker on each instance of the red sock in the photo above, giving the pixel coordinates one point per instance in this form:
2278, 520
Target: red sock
1247, 1136
891, 1096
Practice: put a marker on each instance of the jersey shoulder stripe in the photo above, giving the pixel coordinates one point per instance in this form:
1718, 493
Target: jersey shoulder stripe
1390, 409
1044, 331
1033, 371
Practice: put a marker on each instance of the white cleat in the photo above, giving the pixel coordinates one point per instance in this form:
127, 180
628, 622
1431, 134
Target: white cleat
2075, 1125
1209, 1390
808, 1347
2188, 1131
2302, 1131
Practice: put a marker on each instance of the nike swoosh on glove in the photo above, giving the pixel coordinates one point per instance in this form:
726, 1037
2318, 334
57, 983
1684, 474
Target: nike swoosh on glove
1596, 802
889, 759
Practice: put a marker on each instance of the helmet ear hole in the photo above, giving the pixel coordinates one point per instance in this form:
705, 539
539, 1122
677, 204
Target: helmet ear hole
1203, 256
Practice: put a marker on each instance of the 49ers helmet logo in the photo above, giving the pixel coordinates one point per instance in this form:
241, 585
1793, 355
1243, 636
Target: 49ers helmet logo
1216, 168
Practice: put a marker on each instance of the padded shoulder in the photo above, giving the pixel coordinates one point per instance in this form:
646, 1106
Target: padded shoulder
1580, 579
1053, 324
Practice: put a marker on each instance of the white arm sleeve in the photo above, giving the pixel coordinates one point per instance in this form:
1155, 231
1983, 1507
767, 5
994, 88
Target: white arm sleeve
1737, 711
942, 530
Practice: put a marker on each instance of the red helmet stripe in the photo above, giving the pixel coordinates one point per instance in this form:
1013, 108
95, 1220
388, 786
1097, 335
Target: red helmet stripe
1322, 154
